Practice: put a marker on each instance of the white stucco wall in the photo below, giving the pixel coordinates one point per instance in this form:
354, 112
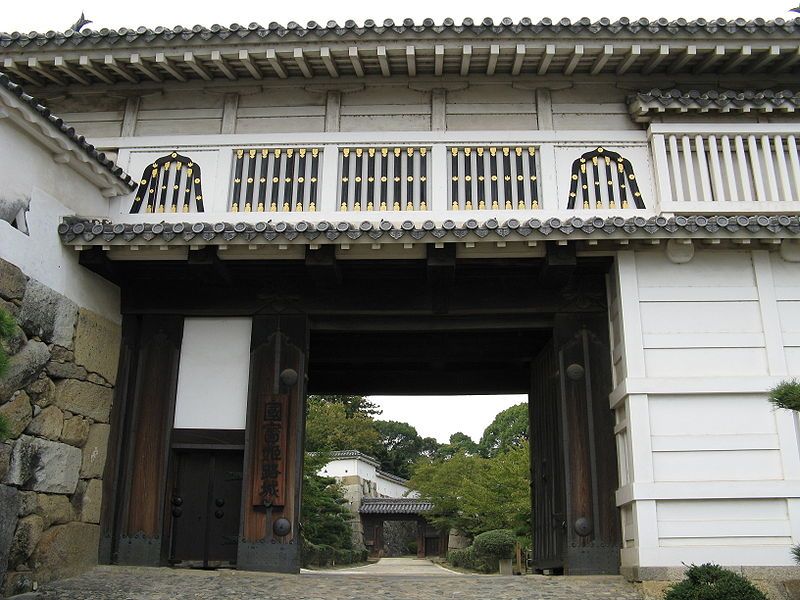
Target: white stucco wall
27, 170
709, 471
349, 467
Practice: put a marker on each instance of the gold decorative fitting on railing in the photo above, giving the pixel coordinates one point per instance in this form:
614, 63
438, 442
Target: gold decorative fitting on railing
280, 178
471, 187
175, 172
375, 178
614, 188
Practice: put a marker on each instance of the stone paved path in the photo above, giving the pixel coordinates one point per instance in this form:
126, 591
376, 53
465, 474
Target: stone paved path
141, 583
393, 566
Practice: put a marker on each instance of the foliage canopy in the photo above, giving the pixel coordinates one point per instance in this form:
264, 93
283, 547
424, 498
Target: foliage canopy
508, 430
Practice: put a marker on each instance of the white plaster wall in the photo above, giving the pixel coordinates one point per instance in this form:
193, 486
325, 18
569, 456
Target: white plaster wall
709, 471
27, 170
214, 372
348, 467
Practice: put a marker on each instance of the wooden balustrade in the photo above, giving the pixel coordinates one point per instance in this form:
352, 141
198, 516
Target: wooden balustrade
493, 177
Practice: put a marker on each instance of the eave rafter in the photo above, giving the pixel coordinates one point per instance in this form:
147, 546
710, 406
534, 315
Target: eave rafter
405, 58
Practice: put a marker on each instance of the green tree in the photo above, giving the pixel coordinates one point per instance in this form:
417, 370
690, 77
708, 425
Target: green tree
460, 443
353, 405
328, 428
325, 517
400, 447
477, 494
508, 430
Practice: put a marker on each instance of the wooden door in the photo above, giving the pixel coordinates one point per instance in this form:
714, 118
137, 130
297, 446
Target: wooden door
547, 464
205, 507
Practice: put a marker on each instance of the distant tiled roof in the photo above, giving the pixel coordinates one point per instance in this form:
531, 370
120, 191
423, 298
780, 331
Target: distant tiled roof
468, 27
81, 231
68, 132
659, 101
394, 506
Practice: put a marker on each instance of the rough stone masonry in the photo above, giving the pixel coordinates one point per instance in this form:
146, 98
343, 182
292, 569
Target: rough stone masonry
56, 397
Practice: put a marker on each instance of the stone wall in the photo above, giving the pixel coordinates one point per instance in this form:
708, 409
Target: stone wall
56, 396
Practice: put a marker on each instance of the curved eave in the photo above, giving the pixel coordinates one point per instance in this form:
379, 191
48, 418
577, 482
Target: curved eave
82, 233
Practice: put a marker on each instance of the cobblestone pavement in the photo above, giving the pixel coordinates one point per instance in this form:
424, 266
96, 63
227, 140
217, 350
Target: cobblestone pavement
141, 583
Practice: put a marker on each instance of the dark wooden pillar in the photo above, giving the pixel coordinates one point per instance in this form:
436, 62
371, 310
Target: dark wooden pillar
273, 472
421, 528
142, 425
589, 453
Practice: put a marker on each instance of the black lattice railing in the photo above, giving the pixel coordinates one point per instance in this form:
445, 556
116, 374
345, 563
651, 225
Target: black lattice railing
493, 178
601, 178
384, 178
170, 182
275, 180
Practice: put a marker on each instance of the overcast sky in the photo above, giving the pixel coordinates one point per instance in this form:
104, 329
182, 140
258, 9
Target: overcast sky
436, 417
44, 15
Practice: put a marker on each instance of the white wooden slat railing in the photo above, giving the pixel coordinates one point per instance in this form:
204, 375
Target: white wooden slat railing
718, 169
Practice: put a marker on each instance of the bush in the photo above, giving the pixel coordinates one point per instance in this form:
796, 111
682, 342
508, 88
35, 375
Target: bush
323, 555
466, 558
712, 582
495, 544
786, 394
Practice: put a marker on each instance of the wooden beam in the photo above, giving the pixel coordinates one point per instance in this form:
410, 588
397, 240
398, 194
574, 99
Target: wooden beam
711, 59
494, 54
383, 61
573, 61
190, 59
602, 59
466, 57
441, 276
139, 64
323, 267
789, 62
62, 65
35, 65
743, 55
766, 58
166, 64
222, 65
327, 60
250, 65
658, 57
688, 54
87, 65
438, 60
519, 58
411, 61
10, 65
275, 63
547, 58
302, 64
630, 59
355, 59
112, 64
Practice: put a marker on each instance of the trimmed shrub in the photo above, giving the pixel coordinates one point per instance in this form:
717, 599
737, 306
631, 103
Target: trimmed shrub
491, 546
712, 582
467, 558
786, 394
323, 555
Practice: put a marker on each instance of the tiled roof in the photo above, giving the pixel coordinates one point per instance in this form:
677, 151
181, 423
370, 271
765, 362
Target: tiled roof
79, 231
394, 506
656, 101
468, 27
68, 132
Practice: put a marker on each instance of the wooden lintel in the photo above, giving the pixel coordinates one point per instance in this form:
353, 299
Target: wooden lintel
573, 61
657, 58
166, 64
67, 69
138, 63
547, 58
711, 59
11, 66
466, 57
494, 54
438, 61
688, 54
630, 59
87, 65
383, 61
743, 55
411, 61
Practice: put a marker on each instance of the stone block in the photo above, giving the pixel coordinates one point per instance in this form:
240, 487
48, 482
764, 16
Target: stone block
42, 391
68, 370
87, 500
18, 583
23, 368
61, 354
48, 315
17, 413
44, 466
66, 550
9, 307
75, 431
9, 501
97, 342
94, 451
27, 503
16, 342
5, 459
12, 281
54, 509
47, 424
84, 398
29, 531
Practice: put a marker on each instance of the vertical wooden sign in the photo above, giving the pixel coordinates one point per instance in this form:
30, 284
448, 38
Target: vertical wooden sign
269, 487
